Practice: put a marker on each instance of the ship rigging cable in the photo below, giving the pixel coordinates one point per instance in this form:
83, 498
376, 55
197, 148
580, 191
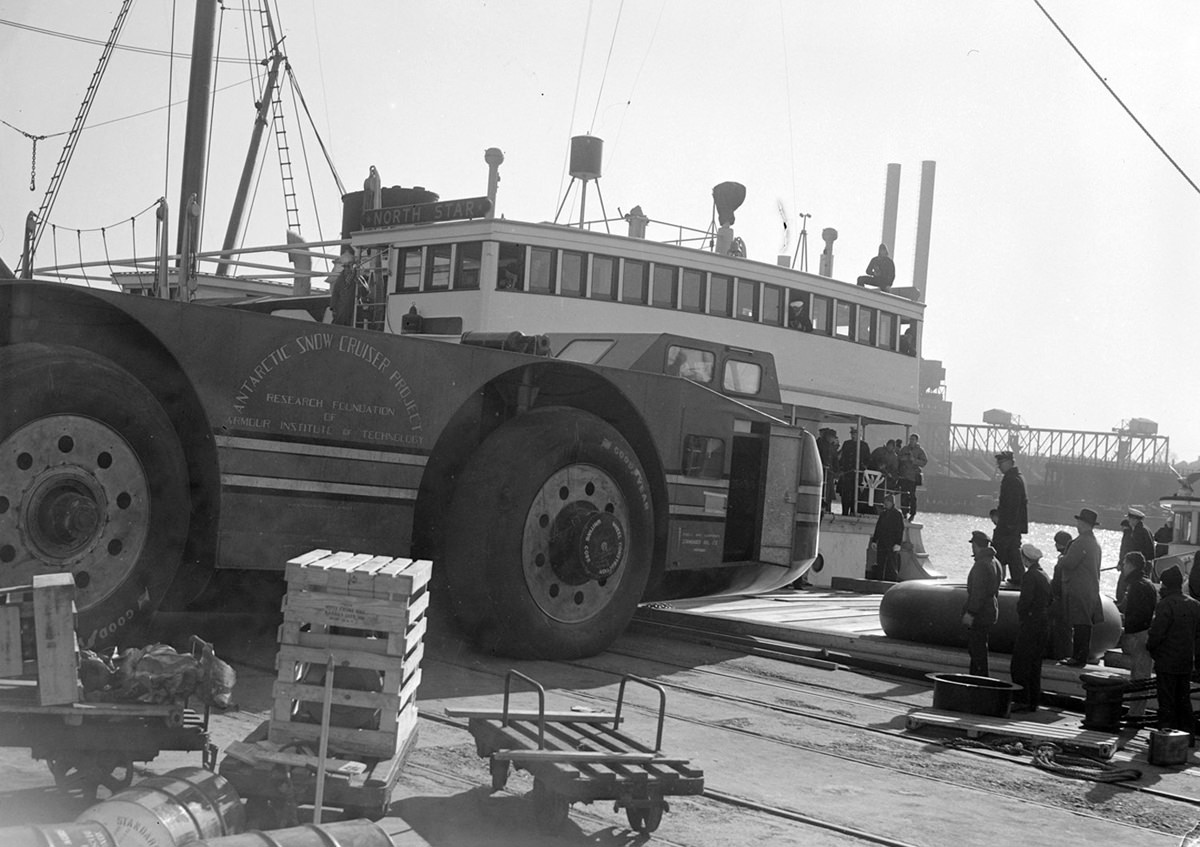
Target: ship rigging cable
1108, 87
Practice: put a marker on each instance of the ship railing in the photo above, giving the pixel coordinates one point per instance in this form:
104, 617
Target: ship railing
101, 272
666, 232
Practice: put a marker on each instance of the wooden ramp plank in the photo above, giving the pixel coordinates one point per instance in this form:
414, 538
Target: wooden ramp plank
1104, 744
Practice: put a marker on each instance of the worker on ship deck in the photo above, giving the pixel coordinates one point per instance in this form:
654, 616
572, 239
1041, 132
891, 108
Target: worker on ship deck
881, 270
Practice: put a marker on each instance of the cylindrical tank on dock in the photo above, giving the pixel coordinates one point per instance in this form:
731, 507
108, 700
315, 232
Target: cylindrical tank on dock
177, 808
930, 611
86, 834
358, 833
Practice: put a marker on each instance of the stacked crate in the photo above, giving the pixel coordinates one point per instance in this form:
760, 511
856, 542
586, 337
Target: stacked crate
37, 625
365, 616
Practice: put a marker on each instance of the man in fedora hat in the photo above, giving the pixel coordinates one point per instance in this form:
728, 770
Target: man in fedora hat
1033, 631
1012, 516
983, 601
1080, 567
1172, 642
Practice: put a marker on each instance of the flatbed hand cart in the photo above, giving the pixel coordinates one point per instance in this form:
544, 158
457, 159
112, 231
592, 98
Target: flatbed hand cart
580, 757
92, 745
276, 782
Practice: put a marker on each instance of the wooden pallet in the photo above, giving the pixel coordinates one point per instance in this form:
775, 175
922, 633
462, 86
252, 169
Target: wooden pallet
1099, 743
365, 615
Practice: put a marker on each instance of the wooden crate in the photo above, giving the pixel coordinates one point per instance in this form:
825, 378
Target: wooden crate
366, 614
49, 606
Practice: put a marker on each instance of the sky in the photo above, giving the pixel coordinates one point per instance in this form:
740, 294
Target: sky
1062, 282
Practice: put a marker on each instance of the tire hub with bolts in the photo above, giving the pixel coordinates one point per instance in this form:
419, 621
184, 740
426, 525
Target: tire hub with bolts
575, 543
74, 497
586, 544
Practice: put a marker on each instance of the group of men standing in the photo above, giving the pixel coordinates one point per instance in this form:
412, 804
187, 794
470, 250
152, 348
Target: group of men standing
899, 464
1161, 628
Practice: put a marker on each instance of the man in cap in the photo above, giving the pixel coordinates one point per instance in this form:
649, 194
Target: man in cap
1012, 516
911, 459
1137, 611
1140, 538
888, 536
1059, 644
983, 601
1172, 642
854, 459
1080, 567
827, 449
1033, 630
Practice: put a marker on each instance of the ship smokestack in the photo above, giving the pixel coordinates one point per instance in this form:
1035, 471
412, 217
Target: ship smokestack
891, 202
924, 223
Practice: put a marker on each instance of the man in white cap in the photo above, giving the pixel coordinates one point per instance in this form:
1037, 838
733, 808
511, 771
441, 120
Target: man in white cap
1033, 631
1140, 538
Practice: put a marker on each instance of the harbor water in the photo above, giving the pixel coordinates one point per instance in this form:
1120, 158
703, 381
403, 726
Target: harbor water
946, 541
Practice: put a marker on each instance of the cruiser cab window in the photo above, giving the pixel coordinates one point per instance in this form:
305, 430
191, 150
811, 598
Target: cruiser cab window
703, 457
690, 363
741, 377
772, 305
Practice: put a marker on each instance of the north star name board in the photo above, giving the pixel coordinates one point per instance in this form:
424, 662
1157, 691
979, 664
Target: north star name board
427, 213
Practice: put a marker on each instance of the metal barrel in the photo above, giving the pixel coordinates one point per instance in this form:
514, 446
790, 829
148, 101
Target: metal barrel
86, 834
359, 833
179, 807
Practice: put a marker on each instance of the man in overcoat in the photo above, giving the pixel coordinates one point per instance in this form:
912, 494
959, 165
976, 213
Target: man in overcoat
1012, 516
983, 601
1080, 568
1174, 642
1033, 631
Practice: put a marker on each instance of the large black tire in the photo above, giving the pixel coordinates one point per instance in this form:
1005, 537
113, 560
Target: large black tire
93, 482
549, 537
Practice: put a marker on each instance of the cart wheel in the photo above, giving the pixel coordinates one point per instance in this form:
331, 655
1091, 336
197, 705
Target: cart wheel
644, 819
499, 769
550, 809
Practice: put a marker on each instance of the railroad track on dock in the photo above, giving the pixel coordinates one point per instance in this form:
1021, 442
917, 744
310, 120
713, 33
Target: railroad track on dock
821, 706
817, 657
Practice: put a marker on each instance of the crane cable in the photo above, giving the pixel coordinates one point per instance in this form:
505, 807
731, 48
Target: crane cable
1129, 112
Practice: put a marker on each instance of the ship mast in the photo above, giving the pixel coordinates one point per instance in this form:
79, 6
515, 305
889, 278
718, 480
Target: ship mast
195, 144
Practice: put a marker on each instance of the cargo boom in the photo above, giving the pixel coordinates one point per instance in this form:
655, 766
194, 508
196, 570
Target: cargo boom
146, 442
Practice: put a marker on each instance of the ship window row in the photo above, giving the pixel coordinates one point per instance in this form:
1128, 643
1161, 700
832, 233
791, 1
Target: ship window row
568, 273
